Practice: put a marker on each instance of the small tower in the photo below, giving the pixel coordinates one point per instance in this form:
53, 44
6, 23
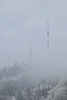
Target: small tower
48, 35
30, 54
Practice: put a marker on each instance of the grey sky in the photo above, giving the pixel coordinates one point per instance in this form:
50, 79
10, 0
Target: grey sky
25, 20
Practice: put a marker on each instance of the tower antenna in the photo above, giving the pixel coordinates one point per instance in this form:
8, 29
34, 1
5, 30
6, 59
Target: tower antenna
48, 35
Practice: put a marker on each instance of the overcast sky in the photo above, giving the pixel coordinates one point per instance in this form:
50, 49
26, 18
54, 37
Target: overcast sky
25, 20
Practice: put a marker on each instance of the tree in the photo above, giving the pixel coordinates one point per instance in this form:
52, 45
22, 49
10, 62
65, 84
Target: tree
44, 92
59, 92
19, 96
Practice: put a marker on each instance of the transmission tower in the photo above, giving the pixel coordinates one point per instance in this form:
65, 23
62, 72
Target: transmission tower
48, 35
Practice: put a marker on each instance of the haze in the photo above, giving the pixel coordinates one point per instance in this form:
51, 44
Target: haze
25, 20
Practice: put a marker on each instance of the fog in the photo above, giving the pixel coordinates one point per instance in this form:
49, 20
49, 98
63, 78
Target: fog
25, 20
33, 50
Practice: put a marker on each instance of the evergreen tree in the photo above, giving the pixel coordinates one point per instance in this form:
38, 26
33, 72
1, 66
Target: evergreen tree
19, 96
59, 92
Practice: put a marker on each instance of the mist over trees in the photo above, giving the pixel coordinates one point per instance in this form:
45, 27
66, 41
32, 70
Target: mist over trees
14, 86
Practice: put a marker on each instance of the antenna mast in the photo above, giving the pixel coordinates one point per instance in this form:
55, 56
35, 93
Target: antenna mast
48, 35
